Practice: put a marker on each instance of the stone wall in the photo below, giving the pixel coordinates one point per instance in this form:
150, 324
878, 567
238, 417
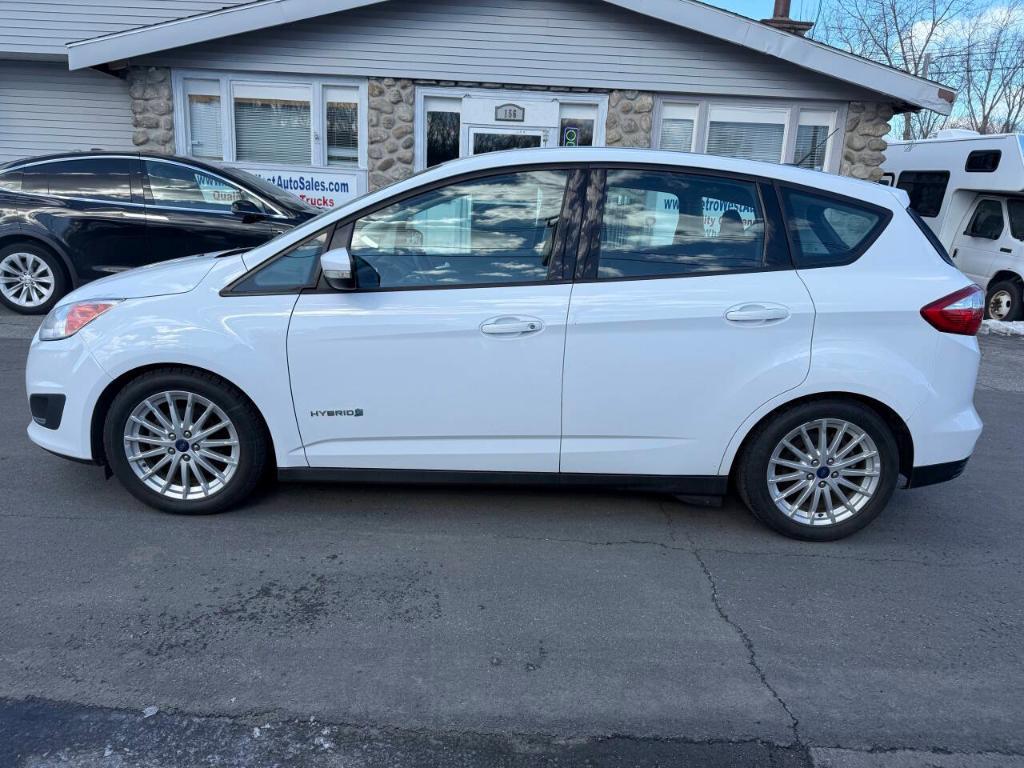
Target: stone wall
152, 109
630, 116
864, 149
390, 139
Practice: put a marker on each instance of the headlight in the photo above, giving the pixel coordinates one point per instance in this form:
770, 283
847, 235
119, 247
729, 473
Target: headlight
69, 319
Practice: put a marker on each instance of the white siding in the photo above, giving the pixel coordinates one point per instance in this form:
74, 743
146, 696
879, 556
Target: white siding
44, 108
534, 42
42, 27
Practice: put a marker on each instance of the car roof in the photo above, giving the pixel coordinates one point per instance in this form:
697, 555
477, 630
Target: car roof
867, 191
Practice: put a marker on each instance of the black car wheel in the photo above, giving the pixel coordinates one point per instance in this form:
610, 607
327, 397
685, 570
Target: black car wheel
1004, 301
32, 279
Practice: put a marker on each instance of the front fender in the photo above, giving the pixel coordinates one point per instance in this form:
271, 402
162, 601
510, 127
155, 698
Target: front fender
242, 339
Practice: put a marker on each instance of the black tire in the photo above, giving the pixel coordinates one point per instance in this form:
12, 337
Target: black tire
753, 465
1001, 292
253, 441
61, 283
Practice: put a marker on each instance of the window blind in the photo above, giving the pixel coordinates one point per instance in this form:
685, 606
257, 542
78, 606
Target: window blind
811, 143
272, 130
204, 126
677, 134
342, 133
746, 140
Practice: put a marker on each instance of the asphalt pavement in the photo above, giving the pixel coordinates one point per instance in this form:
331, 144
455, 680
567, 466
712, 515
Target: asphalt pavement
331, 625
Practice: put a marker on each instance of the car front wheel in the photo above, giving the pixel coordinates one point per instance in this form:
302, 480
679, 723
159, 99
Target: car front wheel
185, 441
819, 471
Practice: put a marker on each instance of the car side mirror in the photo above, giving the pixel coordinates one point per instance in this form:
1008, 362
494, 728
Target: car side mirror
339, 272
248, 210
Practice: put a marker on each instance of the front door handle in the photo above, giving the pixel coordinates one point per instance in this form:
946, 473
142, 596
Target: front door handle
511, 326
756, 314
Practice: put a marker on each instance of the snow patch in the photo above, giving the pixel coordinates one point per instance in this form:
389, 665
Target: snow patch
1002, 328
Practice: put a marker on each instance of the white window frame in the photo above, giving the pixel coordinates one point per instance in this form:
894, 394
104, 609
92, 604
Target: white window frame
600, 100
317, 104
704, 105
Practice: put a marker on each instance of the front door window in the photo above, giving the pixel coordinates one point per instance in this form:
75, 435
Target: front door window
498, 229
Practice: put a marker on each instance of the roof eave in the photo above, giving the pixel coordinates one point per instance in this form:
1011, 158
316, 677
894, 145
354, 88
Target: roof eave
897, 86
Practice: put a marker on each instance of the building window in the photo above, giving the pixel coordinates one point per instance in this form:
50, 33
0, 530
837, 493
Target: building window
677, 127
272, 120
460, 122
272, 124
750, 133
444, 126
770, 131
812, 139
576, 125
342, 106
205, 136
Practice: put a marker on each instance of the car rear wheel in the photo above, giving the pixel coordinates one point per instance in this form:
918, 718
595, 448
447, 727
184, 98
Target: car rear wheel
819, 471
185, 441
32, 279
1003, 301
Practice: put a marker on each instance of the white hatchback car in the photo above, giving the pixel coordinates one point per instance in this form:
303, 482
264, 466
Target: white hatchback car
634, 319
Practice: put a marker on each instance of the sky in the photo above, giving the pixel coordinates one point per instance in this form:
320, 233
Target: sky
762, 9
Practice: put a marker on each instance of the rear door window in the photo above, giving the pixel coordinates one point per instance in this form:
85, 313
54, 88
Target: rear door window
664, 223
827, 231
90, 178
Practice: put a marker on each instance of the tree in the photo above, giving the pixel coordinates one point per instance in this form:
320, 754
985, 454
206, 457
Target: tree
905, 34
989, 60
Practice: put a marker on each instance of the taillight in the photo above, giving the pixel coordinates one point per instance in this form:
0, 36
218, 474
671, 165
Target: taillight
959, 312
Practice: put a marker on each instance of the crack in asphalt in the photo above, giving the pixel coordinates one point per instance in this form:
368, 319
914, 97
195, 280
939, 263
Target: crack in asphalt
744, 637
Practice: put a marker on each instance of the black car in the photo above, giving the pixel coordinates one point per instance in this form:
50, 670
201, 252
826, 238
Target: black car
68, 219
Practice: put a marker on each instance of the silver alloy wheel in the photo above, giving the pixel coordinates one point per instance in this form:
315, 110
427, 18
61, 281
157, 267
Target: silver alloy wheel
824, 472
181, 445
26, 280
1000, 304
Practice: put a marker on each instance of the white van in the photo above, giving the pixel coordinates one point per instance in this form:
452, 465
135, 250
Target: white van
970, 190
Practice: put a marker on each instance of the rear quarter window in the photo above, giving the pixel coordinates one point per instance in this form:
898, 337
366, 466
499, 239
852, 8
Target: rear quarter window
827, 231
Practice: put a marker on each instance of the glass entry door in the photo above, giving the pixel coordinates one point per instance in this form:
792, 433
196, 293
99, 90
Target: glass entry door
486, 139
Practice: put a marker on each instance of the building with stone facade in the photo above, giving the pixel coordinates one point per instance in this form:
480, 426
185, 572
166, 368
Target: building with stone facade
332, 98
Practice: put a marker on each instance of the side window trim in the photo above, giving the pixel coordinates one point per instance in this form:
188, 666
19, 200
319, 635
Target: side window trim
776, 249
331, 241
562, 262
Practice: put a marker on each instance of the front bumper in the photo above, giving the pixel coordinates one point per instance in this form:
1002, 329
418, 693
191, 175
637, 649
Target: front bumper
65, 368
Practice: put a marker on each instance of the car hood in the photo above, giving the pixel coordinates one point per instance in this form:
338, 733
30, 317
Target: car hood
160, 279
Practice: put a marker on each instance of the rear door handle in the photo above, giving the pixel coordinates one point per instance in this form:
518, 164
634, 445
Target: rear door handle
756, 314
511, 326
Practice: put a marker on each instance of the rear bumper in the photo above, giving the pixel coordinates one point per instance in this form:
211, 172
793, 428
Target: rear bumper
936, 473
